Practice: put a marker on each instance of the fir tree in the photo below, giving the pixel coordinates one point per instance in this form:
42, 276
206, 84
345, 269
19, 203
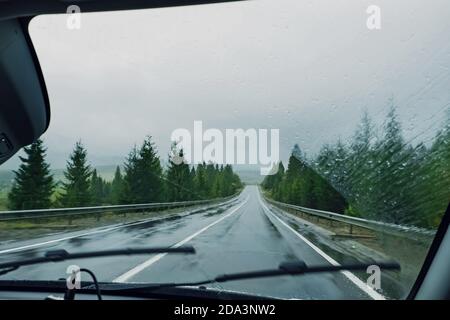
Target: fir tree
97, 188
76, 188
116, 187
179, 178
143, 175
33, 184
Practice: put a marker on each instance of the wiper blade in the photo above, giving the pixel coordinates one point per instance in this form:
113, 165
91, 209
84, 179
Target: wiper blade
286, 268
63, 255
300, 267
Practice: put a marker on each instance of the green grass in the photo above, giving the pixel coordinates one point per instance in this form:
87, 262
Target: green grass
3, 199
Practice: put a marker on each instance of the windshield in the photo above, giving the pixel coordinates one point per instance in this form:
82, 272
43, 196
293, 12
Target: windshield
258, 132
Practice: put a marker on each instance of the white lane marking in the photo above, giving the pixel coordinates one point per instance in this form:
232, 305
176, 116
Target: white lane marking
139, 268
39, 244
360, 284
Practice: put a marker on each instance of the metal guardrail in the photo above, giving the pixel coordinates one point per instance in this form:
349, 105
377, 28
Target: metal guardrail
379, 226
61, 212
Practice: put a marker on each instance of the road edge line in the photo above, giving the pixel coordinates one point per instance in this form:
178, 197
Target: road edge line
102, 230
356, 281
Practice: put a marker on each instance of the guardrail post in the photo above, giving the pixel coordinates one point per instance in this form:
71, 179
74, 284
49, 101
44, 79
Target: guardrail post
98, 216
351, 229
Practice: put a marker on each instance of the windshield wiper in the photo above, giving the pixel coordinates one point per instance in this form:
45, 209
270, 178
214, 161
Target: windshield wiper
287, 268
63, 255
292, 268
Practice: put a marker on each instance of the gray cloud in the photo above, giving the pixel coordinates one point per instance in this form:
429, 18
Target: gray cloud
307, 68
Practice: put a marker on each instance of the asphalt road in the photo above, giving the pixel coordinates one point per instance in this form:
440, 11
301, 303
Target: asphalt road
246, 235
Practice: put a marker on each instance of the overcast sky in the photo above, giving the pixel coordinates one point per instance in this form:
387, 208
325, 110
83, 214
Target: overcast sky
308, 68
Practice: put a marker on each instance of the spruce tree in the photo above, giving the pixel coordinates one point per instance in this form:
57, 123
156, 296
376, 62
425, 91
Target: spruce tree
130, 179
179, 183
435, 185
228, 182
293, 173
216, 189
391, 185
150, 186
33, 184
143, 179
362, 168
194, 194
97, 188
116, 187
210, 178
76, 188
200, 181
302, 185
277, 182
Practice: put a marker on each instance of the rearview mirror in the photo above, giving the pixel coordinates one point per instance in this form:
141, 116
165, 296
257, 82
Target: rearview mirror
24, 106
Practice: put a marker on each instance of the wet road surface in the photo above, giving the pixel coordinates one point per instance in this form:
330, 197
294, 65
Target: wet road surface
245, 235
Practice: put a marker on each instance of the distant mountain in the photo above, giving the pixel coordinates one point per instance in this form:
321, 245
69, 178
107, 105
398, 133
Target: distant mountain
249, 174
